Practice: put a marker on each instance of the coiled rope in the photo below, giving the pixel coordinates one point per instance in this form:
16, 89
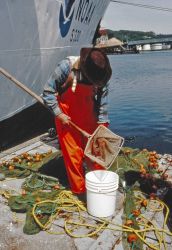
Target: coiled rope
66, 202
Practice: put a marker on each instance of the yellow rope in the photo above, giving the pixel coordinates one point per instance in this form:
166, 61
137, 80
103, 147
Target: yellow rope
66, 202
161, 205
16, 219
97, 229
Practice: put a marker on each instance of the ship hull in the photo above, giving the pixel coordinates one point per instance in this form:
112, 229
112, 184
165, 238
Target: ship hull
37, 34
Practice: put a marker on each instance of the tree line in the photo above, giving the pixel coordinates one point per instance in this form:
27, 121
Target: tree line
130, 35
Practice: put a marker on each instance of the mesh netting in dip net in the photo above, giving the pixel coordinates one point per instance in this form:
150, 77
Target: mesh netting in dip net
103, 146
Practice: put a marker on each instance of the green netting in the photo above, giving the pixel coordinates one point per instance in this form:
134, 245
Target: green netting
16, 173
131, 160
24, 204
31, 227
23, 165
28, 165
128, 160
129, 206
38, 181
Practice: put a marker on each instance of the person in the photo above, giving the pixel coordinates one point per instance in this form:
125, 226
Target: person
78, 92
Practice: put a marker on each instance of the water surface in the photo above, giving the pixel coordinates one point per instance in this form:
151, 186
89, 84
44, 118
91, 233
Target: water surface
140, 99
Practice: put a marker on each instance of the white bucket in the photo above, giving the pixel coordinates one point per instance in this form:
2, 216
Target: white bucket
101, 193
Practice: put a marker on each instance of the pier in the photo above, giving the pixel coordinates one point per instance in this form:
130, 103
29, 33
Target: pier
150, 44
116, 46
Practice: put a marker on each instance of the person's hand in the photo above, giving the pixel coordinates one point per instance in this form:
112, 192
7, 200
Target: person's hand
65, 119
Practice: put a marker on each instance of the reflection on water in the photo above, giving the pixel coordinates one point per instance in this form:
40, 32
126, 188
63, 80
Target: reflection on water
141, 99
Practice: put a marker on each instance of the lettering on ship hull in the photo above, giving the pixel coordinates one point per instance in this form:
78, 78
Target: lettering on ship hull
66, 16
81, 14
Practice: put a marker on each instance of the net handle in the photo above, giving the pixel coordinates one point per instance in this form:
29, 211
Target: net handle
80, 130
21, 85
38, 98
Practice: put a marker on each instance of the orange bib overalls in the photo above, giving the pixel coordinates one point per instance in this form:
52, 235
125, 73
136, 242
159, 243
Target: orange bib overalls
80, 107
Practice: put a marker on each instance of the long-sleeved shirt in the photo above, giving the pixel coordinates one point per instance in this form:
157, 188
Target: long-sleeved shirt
54, 87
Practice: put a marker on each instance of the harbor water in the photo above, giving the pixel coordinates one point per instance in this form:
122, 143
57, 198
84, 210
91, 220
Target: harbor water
140, 99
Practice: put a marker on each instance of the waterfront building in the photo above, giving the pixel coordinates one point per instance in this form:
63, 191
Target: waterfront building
146, 47
156, 46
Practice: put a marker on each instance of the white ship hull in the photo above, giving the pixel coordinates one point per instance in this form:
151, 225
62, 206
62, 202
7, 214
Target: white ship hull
35, 36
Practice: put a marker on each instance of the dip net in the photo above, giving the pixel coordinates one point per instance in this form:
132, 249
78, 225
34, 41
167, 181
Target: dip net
103, 146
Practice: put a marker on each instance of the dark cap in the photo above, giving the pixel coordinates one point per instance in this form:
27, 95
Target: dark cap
95, 66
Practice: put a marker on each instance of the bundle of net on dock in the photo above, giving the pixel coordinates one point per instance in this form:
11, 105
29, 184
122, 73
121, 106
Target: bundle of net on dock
23, 165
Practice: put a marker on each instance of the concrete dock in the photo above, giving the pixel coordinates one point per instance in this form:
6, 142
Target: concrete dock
11, 224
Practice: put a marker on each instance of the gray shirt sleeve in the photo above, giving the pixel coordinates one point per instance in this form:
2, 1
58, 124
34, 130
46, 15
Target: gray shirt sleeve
56, 80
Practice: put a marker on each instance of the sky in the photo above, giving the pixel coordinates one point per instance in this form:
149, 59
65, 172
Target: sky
125, 17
